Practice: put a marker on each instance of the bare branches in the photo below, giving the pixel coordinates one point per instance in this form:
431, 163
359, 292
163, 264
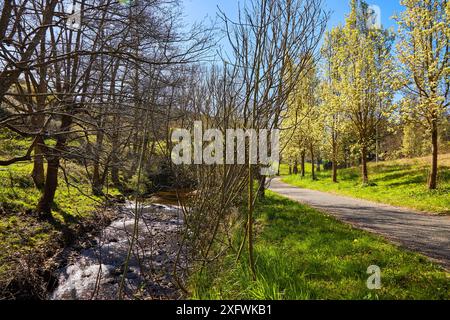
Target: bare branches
9, 75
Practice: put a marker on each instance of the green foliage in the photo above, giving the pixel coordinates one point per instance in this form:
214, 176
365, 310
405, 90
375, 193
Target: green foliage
415, 141
302, 124
304, 254
422, 50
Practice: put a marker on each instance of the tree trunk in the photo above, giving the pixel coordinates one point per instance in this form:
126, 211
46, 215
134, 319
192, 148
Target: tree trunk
262, 187
303, 155
346, 160
37, 121
38, 174
51, 182
432, 181
115, 175
364, 172
295, 171
97, 183
97, 187
318, 164
334, 164
313, 172
279, 167
334, 174
290, 169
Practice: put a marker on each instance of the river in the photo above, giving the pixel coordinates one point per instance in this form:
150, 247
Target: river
97, 272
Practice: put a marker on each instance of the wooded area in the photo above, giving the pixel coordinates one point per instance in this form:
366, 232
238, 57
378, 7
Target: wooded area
92, 90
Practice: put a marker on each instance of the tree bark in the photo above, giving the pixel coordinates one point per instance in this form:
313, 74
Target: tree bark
38, 174
432, 181
334, 164
97, 183
279, 166
97, 186
262, 187
313, 172
51, 182
364, 172
334, 173
44, 206
295, 171
303, 155
37, 120
115, 175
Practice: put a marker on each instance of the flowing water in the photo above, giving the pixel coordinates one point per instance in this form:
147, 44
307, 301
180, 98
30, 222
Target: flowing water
96, 272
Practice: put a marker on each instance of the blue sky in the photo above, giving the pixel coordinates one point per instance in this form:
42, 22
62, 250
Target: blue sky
197, 10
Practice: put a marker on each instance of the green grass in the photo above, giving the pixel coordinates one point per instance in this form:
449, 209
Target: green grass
22, 234
304, 254
18, 193
399, 183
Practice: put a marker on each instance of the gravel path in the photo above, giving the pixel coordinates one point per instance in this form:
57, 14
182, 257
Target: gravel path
427, 234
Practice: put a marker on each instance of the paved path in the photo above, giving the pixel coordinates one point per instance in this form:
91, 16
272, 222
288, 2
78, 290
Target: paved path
424, 233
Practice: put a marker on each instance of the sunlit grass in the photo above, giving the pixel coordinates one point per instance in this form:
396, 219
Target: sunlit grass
304, 254
22, 233
400, 183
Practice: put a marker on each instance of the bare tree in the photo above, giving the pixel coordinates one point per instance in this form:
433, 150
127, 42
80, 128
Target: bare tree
270, 41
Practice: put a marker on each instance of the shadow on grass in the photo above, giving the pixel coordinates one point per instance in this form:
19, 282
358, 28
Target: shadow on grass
402, 178
67, 226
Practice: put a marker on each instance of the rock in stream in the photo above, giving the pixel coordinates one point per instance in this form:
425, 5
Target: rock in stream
96, 272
